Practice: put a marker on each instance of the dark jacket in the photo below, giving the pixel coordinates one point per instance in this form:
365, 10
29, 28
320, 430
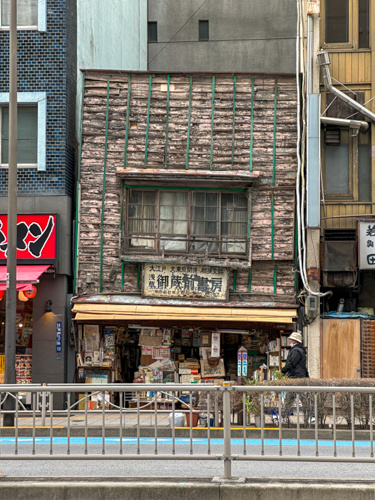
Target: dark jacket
295, 366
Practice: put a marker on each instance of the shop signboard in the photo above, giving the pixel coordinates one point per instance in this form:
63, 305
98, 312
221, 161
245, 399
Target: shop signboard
366, 243
36, 238
185, 281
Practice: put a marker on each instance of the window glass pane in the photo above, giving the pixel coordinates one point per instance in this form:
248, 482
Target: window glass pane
197, 214
135, 211
174, 244
212, 199
199, 199
135, 197
203, 30
180, 227
212, 228
166, 227
152, 31
364, 16
149, 212
240, 201
337, 169
181, 199
166, 213
27, 130
149, 226
145, 243
166, 198
364, 181
197, 226
337, 21
180, 213
149, 197
212, 214
27, 12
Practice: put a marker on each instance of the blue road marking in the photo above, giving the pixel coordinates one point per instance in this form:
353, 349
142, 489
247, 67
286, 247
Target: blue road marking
178, 441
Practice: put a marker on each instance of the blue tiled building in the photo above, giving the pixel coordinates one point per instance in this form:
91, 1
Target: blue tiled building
47, 75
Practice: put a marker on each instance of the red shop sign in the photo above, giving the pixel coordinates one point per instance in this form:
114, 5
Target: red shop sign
36, 237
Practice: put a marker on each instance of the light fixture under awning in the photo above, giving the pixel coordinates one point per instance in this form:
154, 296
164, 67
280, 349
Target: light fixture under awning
125, 312
26, 276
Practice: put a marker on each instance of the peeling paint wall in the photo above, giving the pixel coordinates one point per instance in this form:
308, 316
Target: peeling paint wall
113, 99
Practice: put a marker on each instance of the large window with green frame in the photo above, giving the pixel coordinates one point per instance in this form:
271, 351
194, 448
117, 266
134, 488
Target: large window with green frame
187, 221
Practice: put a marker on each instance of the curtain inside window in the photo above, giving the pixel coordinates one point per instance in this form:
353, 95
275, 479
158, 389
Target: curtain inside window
27, 12
233, 223
204, 222
27, 130
142, 218
173, 220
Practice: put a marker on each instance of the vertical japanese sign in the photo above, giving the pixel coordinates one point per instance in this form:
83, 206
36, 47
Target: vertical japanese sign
59, 336
366, 242
185, 281
242, 362
215, 345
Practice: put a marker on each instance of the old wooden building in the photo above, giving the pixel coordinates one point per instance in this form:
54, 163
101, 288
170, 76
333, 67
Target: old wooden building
185, 221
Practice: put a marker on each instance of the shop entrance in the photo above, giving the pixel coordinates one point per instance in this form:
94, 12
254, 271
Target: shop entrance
183, 354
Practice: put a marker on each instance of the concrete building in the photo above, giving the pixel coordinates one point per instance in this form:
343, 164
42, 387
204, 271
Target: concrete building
110, 35
257, 36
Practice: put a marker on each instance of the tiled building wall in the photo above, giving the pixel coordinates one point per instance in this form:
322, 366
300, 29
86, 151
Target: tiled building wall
44, 66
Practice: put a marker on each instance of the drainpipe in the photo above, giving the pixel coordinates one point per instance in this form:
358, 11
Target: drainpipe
324, 62
341, 122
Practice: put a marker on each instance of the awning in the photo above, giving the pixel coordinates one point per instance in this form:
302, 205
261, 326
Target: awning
26, 276
192, 178
130, 312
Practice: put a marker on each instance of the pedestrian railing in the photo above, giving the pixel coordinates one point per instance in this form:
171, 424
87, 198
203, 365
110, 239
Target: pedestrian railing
309, 424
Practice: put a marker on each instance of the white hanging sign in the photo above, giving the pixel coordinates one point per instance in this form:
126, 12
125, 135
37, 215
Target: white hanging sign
215, 345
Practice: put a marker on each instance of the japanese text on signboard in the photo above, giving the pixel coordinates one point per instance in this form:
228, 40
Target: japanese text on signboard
185, 281
36, 236
367, 245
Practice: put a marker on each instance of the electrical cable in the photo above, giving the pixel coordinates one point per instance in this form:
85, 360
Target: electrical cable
161, 50
300, 193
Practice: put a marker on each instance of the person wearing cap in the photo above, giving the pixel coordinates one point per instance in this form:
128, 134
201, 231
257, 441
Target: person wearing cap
295, 367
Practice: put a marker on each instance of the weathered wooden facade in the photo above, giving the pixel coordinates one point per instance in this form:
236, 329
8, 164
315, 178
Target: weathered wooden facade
186, 213
225, 132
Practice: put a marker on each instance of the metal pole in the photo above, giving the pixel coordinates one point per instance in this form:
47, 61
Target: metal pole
227, 443
11, 296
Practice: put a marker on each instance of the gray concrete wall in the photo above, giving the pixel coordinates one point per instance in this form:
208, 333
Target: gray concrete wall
48, 365
251, 36
111, 34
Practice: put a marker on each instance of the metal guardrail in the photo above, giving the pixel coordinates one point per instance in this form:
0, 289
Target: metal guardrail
289, 410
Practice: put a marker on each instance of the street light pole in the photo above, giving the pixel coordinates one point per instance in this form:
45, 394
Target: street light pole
11, 295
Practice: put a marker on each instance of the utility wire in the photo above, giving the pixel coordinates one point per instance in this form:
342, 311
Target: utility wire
156, 55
